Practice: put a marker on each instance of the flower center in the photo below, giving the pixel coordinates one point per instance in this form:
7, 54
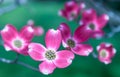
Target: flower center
72, 14
103, 53
71, 43
18, 43
50, 55
92, 26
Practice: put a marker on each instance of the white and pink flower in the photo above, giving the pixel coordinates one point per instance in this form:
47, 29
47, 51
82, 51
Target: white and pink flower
17, 41
38, 30
71, 10
105, 52
49, 55
91, 24
74, 43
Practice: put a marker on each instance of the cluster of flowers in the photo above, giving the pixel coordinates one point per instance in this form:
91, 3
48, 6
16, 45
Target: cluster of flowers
90, 27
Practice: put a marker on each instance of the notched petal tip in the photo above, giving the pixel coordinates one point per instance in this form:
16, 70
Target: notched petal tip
53, 39
7, 48
7, 27
30, 29
106, 17
108, 44
107, 62
82, 49
98, 48
64, 58
114, 51
82, 5
89, 11
47, 68
54, 31
27, 33
70, 3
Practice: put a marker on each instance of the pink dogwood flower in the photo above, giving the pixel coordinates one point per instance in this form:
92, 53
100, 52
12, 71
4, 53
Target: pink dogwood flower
17, 41
38, 31
71, 10
74, 43
105, 52
49, 55
91, 25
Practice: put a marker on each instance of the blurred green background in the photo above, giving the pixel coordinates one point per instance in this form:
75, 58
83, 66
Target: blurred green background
45, 13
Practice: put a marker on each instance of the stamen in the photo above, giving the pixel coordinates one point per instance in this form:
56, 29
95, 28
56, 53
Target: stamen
71, 43
92, 26
18, 43
50, 55
72, 14
103, 53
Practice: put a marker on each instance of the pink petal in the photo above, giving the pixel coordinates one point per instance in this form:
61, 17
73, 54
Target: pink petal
105, 60
36, 51
8, 33
47, 67
64, 14
89, 15
65, 31
69, 6
98, 34
102, 20
53, 39
27, 33
103, 45
81, 34
64, 58
23, 51
65, 45
38, 31
7, 47
82, 49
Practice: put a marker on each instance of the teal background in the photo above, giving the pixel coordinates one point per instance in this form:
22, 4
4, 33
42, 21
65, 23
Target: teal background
46, 15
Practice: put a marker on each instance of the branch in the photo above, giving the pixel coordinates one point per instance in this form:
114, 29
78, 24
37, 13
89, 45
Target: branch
27, 66
15, 61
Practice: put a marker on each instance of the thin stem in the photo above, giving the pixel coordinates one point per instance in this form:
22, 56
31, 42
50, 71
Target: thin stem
27, 66
94, 55
9, 61
15, 61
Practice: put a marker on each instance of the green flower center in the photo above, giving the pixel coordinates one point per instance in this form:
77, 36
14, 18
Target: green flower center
72, 14
50, 55
18, 43
92, 26
71, 43
103, 53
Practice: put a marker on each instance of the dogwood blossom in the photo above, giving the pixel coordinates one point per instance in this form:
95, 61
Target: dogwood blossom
74, 43
17, 41
49, 55
105, 52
